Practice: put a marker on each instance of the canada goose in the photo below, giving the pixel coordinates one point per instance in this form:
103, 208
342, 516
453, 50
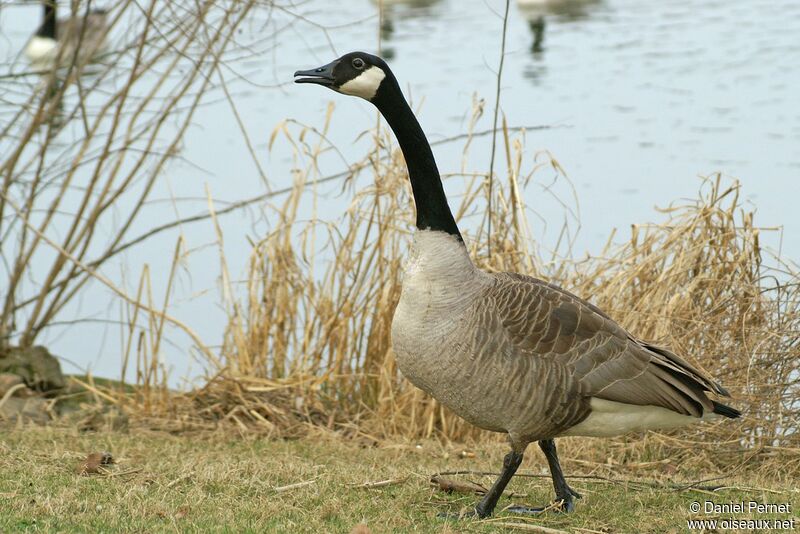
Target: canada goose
404, 10
507, 352
569, 10
537, 11
87, 32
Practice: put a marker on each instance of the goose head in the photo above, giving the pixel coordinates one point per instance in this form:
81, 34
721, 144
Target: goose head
357, 74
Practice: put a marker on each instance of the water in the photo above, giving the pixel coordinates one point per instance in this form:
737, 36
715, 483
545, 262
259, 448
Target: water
647, 96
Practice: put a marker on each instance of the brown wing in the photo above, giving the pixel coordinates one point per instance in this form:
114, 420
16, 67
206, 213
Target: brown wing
545, 321
88, 28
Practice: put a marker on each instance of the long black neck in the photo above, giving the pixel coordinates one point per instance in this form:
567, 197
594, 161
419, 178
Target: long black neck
433, 213
48, 27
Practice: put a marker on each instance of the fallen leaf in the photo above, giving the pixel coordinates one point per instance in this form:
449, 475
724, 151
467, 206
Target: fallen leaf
361, 528
93, 462
449, 486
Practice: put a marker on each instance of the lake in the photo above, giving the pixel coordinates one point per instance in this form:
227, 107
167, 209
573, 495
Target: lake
642, 99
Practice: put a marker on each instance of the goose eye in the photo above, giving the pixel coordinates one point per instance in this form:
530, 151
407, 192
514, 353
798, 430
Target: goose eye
358, 63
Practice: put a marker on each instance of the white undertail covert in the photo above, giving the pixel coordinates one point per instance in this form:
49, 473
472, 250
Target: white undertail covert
609, 418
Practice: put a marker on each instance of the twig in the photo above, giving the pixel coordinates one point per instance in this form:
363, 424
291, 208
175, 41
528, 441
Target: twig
530, 528
494, 133
180, 479
380, 484
109, 474
694, 485
281, 489
8, 395
448, 485
108, 283
647, 483
753, 488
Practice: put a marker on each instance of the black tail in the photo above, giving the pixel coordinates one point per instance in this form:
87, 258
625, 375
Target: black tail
726, 411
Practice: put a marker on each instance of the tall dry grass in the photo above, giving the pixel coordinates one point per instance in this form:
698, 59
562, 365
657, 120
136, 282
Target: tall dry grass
310, 346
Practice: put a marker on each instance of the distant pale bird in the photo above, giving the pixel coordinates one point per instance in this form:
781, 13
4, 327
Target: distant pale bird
77, 37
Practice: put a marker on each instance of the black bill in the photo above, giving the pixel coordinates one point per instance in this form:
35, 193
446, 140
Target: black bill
321, 75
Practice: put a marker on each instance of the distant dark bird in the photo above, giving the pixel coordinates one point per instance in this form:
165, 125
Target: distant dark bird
507, 352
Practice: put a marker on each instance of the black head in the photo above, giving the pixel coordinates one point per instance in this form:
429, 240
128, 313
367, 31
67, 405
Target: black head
356, 73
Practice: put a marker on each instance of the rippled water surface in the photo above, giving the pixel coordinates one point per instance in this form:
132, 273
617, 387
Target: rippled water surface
644, 96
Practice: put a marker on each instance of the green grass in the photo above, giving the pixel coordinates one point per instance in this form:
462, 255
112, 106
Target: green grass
225, 483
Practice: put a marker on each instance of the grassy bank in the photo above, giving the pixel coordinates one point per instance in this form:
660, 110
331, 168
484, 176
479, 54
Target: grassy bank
218, 482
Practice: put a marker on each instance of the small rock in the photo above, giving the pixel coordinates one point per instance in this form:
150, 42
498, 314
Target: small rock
8, 381
38, 368
27, 409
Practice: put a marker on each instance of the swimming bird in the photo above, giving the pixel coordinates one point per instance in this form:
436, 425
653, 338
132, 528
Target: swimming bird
537, 13
505, 351
62, 38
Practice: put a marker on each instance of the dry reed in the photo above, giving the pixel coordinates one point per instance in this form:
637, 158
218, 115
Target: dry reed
311, 349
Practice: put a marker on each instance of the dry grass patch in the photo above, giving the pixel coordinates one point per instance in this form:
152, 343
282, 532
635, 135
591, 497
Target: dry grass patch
213, 482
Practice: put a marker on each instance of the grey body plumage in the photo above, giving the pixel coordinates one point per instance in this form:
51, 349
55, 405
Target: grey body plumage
514, 354
508, 352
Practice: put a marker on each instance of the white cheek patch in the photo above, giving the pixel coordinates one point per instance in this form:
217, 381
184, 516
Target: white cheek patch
365, 84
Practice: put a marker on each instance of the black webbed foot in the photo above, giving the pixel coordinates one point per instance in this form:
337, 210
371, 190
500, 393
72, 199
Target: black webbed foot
566, 501
560, 505
565, 505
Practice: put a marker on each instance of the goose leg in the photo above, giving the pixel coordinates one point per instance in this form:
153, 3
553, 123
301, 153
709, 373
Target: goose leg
510, 465
487, 505
564, 493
